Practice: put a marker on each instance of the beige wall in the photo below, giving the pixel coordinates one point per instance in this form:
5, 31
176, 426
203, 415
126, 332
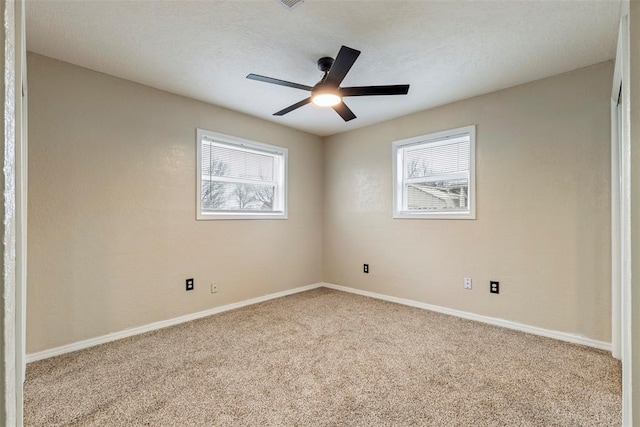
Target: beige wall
634, 27
112, 229
112, 234
543, 209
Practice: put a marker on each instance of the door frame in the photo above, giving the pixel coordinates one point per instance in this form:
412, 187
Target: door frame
621, 307
14, 212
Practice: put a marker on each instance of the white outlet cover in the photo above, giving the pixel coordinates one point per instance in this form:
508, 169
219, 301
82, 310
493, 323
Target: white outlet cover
467, 283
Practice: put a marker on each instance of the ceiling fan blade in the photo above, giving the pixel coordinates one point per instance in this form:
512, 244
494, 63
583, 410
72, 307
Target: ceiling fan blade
341, 66
293, 107
344, 111
374, 90
278, 82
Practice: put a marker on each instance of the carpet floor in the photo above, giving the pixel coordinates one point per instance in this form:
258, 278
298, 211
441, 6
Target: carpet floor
327, 358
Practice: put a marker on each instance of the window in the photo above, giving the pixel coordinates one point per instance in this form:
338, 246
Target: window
434, 175
240, 179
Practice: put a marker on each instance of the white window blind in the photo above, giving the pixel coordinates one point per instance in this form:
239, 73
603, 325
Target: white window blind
434, 175
240, 178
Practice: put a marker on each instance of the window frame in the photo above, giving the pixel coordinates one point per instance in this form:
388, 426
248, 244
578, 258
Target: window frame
281, 155
435, 138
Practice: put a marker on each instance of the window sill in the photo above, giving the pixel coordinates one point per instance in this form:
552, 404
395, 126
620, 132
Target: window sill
434, 215
243, 216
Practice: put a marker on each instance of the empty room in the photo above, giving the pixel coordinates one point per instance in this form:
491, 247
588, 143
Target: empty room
322, 213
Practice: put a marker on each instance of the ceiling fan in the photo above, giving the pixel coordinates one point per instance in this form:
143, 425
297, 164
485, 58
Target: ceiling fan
327, 92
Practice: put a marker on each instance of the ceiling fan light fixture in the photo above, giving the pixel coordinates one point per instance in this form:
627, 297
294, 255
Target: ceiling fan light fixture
326, 99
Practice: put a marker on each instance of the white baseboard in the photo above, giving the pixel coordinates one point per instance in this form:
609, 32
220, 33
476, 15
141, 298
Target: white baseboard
562, 336
80, 345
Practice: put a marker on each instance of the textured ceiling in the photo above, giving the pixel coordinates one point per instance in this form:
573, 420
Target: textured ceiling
446, 50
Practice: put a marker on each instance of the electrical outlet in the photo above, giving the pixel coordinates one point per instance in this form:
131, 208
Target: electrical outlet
467, 282
214, 288
365, 269
189, 284
494, 287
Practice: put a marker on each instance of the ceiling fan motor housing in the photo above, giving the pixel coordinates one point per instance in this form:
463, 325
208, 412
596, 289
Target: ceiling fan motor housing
324, 64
